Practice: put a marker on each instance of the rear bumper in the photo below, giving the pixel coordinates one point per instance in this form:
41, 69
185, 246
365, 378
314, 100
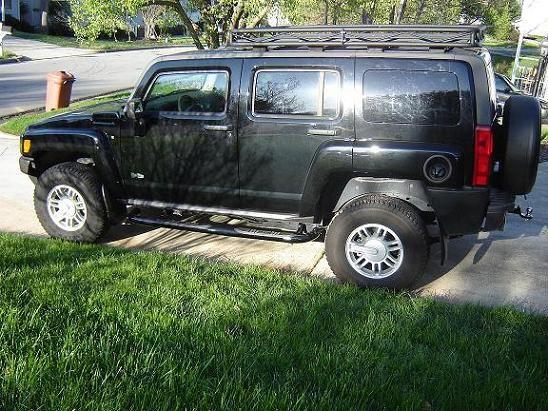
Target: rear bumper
460, 211
500, 203
470, 210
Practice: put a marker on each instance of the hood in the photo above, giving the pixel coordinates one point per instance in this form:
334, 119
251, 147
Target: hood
80, 118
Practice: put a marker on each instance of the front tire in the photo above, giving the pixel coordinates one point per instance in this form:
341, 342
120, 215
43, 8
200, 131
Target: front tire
377, 241
69, 203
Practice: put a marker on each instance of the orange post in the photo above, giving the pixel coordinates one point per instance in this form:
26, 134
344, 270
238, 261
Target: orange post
59, 90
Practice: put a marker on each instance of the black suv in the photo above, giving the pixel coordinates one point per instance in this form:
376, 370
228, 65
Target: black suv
378, 140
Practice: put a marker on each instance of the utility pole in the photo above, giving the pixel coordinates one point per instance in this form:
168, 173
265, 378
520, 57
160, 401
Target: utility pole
2, 28
518, 53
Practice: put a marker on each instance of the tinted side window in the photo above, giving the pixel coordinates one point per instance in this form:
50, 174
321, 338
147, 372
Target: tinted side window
411, 97
501, 85
304, 93
202, 92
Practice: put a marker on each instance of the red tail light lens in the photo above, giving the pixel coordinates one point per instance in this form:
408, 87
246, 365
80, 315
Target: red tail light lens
483, 152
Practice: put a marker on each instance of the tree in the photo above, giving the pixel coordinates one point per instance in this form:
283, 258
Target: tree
217, 17
90, 18
151, 16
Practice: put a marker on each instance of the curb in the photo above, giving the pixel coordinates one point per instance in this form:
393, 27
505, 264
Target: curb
94, 53
143, 48
12, 60
21, 59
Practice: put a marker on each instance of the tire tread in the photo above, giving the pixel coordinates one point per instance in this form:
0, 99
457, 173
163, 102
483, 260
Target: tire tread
391, 204
89, 180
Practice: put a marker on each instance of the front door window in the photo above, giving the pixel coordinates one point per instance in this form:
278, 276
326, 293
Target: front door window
191, 93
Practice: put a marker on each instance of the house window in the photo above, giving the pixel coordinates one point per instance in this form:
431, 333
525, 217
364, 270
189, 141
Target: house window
8, 4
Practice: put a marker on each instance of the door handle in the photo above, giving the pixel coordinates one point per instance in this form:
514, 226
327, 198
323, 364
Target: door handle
213, 127
322, 132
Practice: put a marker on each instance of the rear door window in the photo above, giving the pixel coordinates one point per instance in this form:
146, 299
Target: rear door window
296, 93
411, 97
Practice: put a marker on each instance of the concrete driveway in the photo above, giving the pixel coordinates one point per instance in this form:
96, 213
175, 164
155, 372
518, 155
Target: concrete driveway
509, 267
23, 85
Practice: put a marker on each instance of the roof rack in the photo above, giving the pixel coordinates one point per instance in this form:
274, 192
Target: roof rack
359, 36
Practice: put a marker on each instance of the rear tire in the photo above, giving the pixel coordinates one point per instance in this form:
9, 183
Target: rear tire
377, 241
69, 203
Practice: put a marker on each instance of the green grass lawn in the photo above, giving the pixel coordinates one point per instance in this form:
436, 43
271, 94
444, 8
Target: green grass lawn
91, 327
17, 125
528, 46
544, 132
105, 45
504, 64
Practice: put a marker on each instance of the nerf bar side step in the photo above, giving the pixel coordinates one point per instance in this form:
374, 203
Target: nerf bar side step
230, 230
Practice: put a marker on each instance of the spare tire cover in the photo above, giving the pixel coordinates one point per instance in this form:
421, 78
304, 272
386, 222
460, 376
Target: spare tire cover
521, 129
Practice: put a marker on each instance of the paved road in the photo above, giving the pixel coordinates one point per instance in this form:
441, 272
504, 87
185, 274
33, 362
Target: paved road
23, 85
509, 267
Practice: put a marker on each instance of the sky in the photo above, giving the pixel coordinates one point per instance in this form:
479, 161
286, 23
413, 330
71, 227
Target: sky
534, 17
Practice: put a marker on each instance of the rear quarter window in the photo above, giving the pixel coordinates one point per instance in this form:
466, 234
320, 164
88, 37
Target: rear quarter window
411, 97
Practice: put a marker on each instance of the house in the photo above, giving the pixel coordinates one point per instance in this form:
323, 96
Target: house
31, 12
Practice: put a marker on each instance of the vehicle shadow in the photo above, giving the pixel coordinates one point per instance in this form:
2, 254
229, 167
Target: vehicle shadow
459, 248
125, 231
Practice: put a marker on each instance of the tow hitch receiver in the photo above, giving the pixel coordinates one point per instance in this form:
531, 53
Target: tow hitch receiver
527, 215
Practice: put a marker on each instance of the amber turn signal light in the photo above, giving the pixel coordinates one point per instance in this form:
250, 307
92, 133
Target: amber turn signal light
26, 146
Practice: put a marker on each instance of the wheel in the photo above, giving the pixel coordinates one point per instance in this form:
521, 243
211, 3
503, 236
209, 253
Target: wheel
69, 203
377, 241
521, 130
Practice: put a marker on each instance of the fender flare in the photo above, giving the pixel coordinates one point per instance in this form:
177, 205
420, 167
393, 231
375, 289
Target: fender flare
410, 191
86, 143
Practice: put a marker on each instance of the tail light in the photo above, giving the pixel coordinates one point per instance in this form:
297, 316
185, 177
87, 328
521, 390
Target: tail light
483, 153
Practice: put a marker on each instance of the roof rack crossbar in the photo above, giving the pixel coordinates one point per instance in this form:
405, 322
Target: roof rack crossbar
360, 36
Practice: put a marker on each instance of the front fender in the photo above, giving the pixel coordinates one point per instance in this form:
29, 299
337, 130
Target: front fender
87, 143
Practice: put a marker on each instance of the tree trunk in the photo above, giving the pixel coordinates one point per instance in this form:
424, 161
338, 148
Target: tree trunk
373, 9
237, 15
174, 4
326, 12
262, 14
420, 10
392, 14
401, 11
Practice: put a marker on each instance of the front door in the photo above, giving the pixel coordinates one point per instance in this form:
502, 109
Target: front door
184, 147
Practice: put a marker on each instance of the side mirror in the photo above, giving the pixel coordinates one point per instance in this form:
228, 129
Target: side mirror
134, 108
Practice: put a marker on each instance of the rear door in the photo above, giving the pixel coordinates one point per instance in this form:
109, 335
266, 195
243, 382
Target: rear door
292, 107
184, 147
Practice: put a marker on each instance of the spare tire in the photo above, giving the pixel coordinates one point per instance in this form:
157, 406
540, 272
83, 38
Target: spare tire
521, 129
